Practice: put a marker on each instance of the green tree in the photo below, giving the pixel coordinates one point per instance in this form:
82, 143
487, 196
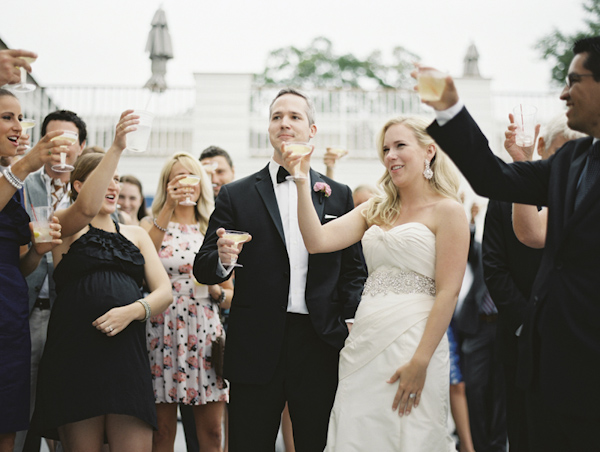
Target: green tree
558, 47
318, 66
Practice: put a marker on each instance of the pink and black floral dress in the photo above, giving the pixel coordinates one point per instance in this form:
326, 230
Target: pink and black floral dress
180, 339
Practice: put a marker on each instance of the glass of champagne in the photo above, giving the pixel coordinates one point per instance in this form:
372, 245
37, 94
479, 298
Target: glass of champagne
237, 237
64, 167
298, 148
27, 124
23, 86
338, 150
431, 83
189, 181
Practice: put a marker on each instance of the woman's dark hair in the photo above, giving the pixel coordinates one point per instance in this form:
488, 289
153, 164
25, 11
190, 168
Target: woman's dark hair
82, 169
129, 179
5, 92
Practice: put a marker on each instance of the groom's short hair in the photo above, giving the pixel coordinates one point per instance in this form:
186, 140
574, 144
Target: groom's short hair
310, 107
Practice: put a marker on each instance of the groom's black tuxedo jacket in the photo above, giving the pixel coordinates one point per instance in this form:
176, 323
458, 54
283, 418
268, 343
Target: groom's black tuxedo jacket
565, 299
259, 309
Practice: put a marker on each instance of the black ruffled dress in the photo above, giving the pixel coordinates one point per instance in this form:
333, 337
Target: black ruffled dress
84, 373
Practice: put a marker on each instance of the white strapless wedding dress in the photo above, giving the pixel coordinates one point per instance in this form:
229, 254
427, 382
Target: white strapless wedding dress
389, 324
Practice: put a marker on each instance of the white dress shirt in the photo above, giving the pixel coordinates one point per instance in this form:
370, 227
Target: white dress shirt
287, 200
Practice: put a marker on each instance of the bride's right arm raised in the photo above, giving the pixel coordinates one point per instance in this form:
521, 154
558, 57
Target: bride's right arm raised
332, 236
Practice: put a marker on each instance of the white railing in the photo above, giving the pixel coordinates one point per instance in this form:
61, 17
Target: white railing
344, 116
100, 106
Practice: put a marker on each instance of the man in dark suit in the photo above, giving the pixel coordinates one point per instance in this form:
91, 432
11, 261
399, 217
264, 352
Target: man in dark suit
288, 317
510, 268
475, 323
561, 334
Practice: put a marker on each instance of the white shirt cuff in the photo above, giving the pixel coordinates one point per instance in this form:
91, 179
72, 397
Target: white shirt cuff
444, 116
349, 320
518, 332
221, 271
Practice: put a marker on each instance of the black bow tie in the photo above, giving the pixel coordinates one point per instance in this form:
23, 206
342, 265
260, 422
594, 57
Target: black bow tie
282, 173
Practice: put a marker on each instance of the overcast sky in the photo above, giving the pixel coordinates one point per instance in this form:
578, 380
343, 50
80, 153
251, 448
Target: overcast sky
103, 41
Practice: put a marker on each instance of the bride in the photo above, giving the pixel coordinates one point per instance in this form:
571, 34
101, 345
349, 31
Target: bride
394, 369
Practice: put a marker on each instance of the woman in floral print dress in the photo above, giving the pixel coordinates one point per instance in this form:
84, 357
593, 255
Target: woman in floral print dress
180, 339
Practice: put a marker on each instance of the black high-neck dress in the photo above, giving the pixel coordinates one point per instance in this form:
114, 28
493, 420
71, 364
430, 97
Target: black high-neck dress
83, 372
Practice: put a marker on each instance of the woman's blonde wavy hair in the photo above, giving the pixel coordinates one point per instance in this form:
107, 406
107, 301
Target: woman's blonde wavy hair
205, 204
383, 209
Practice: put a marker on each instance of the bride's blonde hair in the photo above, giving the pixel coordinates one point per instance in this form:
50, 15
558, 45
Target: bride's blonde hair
384, 208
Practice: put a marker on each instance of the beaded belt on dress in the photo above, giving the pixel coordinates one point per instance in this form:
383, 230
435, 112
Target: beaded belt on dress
398, 281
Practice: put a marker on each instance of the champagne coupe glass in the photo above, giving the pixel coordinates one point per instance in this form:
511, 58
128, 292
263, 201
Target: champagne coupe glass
23, 86
338, 150
297, 148
237, 237
27, 124
189, 181
64, 167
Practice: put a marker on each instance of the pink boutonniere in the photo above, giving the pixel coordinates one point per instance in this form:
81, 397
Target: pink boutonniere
322, 188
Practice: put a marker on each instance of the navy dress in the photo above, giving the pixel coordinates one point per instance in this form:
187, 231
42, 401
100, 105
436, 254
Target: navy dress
15, 344
83, 372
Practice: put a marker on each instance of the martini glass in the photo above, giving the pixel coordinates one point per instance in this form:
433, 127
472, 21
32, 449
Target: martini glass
189, 181
64, 167
298, 148
338, 150
27, 124
237, 237
23, 86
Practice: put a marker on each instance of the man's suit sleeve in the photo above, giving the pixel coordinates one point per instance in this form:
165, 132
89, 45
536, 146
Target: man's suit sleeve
353, 273
206, 262
509, 300
467, 146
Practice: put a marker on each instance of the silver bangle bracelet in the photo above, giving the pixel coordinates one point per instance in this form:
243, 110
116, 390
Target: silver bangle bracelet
159, 227
12, 179
146, 306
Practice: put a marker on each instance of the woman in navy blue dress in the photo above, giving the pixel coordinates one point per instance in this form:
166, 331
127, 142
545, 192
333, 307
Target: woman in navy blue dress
15, 264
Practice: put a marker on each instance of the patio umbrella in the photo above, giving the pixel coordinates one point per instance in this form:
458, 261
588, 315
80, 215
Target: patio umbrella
161, 50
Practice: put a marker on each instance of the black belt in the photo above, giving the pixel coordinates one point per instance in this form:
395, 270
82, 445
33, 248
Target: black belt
488, 318
42, 303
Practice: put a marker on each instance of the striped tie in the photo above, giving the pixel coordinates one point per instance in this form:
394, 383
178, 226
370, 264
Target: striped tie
488, 307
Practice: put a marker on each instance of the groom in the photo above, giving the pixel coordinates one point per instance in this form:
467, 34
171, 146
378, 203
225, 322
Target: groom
289, 314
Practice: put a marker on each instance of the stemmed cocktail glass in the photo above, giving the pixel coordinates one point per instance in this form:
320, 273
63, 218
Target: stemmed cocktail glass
338, 150
23, 86
298, 148
64, 167
189, 181
237, 237
27, 124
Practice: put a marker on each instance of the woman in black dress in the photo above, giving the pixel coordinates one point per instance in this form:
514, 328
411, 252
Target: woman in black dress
94, 380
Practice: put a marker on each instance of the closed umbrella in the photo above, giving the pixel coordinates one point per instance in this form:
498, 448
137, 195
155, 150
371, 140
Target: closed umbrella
160, 48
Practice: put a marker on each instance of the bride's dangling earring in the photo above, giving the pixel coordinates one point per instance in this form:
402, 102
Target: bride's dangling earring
428, 172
